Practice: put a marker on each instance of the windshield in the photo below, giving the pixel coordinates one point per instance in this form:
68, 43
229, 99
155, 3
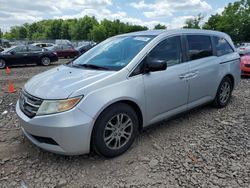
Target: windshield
114, 53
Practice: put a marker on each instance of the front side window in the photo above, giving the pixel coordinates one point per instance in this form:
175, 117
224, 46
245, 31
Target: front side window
199, 46
222, 46
114, 53
168, 50
20, 49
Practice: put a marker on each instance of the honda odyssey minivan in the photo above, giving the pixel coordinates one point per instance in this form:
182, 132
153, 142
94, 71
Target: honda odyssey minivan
101, 100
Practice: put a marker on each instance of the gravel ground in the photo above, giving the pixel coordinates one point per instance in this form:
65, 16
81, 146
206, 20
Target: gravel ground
206, 147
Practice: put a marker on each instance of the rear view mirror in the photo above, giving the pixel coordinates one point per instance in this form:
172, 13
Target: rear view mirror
153, 65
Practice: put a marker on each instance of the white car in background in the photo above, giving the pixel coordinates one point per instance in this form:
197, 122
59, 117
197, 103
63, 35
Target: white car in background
48, 46
244, 48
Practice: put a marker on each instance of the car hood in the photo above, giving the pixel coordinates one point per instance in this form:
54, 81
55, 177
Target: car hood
61, 82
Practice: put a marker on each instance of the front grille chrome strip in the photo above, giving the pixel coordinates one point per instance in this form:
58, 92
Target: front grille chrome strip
29, 104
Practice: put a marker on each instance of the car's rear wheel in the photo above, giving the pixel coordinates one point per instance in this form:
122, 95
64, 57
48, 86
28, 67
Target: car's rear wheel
2, 64
224, 93
45, 61
115, 130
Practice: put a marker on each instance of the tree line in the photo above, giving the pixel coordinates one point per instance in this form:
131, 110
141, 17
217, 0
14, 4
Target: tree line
234, 20
86, 28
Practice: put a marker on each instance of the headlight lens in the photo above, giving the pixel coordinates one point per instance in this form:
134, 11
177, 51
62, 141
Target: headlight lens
56, 106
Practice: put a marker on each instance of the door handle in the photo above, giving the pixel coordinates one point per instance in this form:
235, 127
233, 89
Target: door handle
182, 76
25, 54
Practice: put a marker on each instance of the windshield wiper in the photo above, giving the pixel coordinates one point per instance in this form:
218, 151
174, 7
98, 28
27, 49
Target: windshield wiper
92, 66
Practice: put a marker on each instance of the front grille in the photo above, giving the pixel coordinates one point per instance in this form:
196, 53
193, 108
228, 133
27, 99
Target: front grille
29, 104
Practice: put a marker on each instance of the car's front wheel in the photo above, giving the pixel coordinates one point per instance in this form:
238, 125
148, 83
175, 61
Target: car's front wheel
224, 93
45, 61
115, 130
2, 64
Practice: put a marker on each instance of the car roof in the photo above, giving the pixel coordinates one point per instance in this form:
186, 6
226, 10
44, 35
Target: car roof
174, 31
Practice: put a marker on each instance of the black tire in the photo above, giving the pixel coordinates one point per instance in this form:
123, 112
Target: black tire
218, 101
102, 131
45, 61
2, 63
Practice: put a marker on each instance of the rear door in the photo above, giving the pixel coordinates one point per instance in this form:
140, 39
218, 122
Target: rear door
34, 54
204, 69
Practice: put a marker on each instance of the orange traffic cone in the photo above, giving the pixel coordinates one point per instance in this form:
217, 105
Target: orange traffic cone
7, 70
11, 88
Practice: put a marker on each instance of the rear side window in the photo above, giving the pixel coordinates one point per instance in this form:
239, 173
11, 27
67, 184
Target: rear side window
199, 46
35, 49
222, 46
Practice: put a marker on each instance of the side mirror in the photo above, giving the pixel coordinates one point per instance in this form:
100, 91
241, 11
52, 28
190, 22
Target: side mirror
154, 65
12, 52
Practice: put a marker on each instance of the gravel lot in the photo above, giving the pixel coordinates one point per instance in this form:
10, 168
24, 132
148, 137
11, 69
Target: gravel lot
206, 147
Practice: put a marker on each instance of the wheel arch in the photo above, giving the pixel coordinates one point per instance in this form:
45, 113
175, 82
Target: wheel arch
129, 102
231, 77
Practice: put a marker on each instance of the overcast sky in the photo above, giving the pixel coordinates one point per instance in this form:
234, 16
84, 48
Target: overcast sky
172, 13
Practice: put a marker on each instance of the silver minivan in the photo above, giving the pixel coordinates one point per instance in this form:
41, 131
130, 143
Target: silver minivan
101, 100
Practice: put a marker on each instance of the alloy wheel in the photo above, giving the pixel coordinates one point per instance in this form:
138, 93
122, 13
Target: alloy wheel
118, 131
45, 61
225, 92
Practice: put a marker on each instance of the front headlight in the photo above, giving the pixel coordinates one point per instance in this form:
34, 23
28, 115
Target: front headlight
56, 106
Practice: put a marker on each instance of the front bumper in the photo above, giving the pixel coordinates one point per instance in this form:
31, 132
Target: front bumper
67, 133
245, 71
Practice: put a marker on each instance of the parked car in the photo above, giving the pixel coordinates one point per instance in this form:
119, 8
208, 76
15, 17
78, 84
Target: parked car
66, 51
48, 46
100, 100
85, 47
244, 48
245, 64
29, 54
43, 45
5, 43
63, 42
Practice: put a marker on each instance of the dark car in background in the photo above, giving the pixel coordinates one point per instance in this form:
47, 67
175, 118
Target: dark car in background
85, 47
4, 43
26, 54
66, 51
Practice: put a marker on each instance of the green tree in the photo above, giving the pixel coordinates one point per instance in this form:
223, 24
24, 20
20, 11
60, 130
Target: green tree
194, 23
98, 33
1, 33
65, 31
159, 26
234, 20
75, 29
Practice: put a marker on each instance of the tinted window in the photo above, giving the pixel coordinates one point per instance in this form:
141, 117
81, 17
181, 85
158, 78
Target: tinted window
222, 46
20, 49
168, 50
66, 47
199, 46
35, 49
